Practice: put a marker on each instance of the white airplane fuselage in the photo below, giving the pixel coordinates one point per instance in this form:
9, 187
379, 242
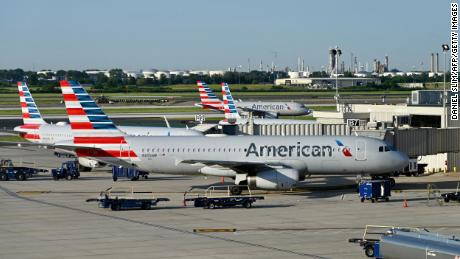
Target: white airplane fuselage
307, 155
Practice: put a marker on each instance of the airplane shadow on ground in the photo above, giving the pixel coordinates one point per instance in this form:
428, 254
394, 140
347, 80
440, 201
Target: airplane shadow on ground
49, 178
167, 178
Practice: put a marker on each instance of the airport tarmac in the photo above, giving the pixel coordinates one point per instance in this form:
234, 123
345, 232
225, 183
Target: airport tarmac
42, 218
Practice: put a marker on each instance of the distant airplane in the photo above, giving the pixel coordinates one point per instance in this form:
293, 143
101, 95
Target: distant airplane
232, 117
37, 130
265, 109
267, 162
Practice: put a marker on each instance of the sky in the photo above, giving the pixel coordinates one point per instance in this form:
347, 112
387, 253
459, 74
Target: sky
213, 34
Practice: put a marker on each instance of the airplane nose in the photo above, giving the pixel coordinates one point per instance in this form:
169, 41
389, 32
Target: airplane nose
402, 159
305, 110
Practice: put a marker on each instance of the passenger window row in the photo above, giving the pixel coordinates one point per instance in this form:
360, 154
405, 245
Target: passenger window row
385, 149
193, 150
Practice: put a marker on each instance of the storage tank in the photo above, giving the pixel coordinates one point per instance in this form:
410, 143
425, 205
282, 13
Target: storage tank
410, 244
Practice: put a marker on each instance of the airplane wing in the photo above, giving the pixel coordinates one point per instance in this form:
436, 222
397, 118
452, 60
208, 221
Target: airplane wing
204, 127
241, 167
68, 146
20, 144
259, 113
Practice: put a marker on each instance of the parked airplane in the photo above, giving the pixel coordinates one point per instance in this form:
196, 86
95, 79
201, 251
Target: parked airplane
232, 117
37, 130
265, 109
268, 162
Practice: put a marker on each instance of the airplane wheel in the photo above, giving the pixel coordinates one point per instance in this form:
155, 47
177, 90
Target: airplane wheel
115, 206
247, 204
21, 177
211, 205
446, 199
392, 182
235, 190
369, 250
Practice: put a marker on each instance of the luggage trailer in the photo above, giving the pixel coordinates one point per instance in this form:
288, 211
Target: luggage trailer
221, 197
126, 198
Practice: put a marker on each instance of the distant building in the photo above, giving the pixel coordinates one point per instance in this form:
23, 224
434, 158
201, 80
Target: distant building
362, 74
46, 72
433, 74
93, 73
177, 73
133, 74
158, 74
327, 82
199, 72
216, 72
149, 73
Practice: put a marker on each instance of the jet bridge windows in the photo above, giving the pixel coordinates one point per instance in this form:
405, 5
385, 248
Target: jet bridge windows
386, 148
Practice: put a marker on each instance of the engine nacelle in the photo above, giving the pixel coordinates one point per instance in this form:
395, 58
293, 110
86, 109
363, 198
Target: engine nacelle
275, 179
83, 161
207, 170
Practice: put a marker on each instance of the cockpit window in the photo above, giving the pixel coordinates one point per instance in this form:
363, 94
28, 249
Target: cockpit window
387, 148
381, 149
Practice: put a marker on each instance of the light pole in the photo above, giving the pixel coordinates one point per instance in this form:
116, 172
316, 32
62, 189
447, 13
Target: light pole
445, 49
337, 53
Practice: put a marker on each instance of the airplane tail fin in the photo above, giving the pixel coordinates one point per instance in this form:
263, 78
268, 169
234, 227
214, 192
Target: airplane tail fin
208, 99
30, 113
230, 109
91, 127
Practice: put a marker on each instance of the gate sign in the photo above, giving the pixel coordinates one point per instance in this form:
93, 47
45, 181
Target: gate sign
353, 122
200, 118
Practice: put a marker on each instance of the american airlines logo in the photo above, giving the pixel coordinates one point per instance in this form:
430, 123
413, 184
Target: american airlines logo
297, 150
288, 151
273, 107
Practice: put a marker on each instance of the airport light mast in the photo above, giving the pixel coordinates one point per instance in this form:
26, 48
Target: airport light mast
337, 53
445, 49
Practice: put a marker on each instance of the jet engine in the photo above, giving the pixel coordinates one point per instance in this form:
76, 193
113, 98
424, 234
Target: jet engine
88, 164
275, 179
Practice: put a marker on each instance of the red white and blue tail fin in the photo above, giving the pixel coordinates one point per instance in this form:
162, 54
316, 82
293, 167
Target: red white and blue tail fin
30, 113
230, 109
92, 128
208, 99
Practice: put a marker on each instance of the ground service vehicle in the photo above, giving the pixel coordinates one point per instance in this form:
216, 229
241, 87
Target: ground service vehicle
130, 173
375, 190
68, 170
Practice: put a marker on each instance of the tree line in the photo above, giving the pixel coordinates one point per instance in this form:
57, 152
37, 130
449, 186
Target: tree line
117, 78
120, 81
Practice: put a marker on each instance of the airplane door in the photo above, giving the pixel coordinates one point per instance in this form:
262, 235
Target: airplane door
360, 150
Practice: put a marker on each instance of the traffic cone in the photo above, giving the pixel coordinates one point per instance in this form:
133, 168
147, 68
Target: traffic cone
405, 203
